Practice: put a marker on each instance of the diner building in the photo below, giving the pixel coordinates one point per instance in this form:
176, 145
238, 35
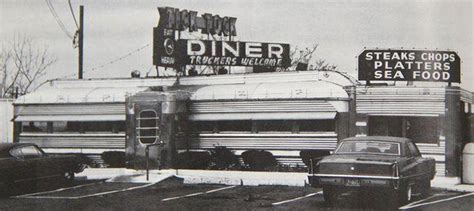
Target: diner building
280, 112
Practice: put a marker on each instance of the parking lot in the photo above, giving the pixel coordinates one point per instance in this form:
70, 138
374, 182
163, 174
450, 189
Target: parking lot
172, 194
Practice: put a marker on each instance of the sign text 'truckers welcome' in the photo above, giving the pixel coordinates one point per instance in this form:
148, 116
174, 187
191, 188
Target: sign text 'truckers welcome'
409, 65
207, 52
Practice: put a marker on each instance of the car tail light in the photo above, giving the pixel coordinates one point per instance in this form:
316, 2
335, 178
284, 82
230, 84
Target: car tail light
396, 173
395, 170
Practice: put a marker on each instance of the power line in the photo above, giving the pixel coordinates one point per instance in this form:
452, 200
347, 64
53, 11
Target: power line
120, 58
58, 20
110, 62
72, 13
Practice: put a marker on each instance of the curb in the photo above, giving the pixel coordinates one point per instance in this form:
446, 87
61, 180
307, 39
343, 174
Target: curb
246, 178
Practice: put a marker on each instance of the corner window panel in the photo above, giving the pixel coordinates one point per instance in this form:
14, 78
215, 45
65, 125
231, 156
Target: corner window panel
147, 126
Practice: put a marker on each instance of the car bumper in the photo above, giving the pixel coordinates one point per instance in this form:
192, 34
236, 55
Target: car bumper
319, 180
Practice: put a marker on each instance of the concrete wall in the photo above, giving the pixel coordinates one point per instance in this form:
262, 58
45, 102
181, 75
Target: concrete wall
6, 125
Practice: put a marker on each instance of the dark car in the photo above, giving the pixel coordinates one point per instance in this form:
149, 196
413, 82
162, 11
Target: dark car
23, 163
374, 163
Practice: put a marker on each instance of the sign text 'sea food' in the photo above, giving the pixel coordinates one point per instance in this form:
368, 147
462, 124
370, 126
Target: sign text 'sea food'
229, 53
409, 65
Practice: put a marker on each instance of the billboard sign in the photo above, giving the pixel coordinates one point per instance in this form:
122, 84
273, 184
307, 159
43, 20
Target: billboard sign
163, 47
172, 20
231, 53
409, 65
180, 20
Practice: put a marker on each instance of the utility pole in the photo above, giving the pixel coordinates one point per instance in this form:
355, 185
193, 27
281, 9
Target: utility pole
81, 39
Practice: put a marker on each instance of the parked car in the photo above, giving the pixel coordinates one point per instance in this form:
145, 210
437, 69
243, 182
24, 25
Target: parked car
22, 163
374, 163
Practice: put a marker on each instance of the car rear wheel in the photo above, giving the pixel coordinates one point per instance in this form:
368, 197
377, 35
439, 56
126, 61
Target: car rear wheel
405, 194
425, 188
330, 195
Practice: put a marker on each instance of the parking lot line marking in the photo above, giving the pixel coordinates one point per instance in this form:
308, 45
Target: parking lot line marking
57, 190
116, 191
219, 189
296, 199
87, 196
425, 199
198, 193
434, 202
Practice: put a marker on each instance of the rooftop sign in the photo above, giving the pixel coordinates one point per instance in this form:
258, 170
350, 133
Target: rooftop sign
409, 65
229, 53
180, 20
170, 50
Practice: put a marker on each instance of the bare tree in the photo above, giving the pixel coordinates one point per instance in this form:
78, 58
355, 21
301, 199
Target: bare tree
22, 65
305, 56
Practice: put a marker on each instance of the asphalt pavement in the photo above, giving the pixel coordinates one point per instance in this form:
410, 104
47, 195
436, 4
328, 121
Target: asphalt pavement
173, 193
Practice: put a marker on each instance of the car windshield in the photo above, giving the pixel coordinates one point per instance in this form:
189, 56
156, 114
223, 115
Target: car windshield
369, 147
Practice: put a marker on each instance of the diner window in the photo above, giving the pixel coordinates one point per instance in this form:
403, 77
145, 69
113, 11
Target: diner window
203, 126
40, 127
385, 126
94, 127
422, 129
316, 125
147, 126
418, 129
275, 125
237, 125
71, 127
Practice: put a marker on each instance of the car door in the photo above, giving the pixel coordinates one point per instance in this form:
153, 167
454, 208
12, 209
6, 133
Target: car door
411, 162
22, 169
37, 161
419, 168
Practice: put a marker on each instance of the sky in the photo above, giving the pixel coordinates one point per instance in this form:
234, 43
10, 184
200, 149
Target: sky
342, 29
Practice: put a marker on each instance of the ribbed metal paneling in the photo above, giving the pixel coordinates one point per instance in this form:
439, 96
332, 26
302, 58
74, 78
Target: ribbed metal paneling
261, 106
75, 142
400, 101
71, 109
285, 147
436, 151
260, 109
467, 96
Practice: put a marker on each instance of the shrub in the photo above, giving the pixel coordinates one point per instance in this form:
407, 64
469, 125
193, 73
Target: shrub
193, 160
315, 155
259, 160
85, 160
223, 158
114, 159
